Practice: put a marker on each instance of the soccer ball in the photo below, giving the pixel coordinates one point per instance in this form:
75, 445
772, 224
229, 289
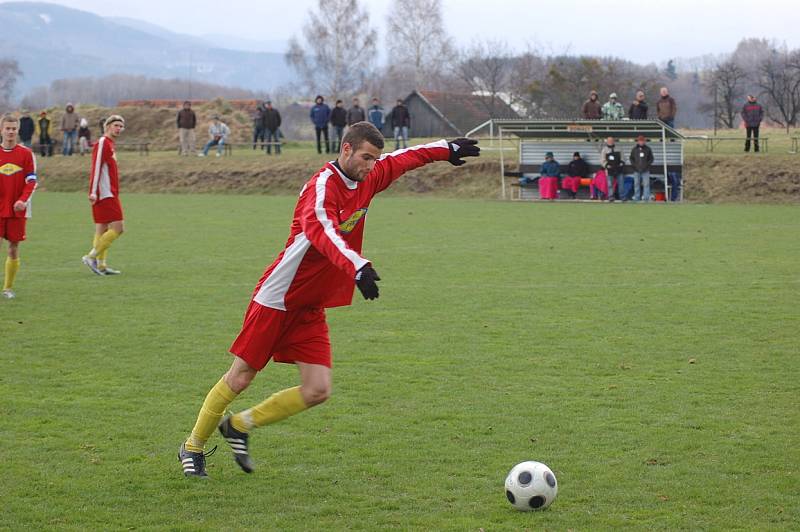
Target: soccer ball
531, 486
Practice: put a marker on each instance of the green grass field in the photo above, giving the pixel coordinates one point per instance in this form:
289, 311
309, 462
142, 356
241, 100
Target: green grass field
648, 354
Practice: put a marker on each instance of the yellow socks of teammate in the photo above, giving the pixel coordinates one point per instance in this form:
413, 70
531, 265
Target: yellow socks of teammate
211, 412
279, 406
12, 267
102, 243
101, 257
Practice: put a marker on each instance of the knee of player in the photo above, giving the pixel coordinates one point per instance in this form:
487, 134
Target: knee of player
239, 381
315, 395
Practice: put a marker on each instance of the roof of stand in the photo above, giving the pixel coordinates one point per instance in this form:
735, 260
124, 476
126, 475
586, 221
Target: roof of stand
584, 129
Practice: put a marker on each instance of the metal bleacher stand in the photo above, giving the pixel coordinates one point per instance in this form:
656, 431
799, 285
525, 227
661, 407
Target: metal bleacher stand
564, 137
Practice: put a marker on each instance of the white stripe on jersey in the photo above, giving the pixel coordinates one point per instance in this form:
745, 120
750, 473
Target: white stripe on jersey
438, 144
327, 225
273, 290
97, 165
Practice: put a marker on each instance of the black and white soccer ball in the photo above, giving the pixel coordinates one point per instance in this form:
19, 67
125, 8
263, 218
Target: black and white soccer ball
531, 486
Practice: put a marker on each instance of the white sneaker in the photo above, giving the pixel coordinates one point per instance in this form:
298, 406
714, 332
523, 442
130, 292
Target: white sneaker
91, 264
9, 293
219, 155
201, 154
110, 271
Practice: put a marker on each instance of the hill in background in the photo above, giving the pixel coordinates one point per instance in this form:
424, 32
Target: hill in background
53, 42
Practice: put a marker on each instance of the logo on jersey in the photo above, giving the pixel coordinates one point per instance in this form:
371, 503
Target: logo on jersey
348, 225
10, 169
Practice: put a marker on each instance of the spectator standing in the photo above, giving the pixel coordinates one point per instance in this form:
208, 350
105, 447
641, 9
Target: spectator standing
638, 109
101, 126
612, 109
612, 163
356, 113
259, 128
26, 129
320, 114
666, 108
43, 132
548, 177
338, 121
69, 126
84, 137
186, 122
591, 108
401, 122
576, 170
218, 133
752, 114
376, 114
272, 124
641, 159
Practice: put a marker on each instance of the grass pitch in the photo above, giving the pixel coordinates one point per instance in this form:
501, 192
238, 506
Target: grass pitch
647, 354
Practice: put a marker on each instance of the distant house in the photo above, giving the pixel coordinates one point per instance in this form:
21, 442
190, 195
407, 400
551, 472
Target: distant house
446, 114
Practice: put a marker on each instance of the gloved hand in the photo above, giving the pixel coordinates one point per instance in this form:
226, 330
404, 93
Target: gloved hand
462, 147
365, 280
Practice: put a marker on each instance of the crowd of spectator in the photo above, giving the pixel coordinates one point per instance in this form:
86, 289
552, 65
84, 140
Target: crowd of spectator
666, 108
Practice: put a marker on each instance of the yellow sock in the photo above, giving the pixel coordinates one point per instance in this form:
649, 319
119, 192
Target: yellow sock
101, 257
103, 243
211, 412
279, 406
12, 267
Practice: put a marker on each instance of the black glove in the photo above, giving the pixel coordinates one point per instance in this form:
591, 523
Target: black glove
365, 280
462, 147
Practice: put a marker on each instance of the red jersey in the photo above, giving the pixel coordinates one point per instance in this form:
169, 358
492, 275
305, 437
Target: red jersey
104, 180
319, 264
17, 180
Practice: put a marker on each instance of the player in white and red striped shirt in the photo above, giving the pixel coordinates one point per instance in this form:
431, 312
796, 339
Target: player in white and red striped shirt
319, 268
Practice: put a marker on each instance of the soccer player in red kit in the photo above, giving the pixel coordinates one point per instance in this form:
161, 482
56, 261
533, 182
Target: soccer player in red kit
104, 197
17, 183
319, 268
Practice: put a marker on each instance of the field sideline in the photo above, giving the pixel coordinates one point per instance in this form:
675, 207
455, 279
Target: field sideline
648, 354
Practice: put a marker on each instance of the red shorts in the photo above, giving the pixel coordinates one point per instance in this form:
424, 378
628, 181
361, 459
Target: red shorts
285, 336
107, 210
13, 229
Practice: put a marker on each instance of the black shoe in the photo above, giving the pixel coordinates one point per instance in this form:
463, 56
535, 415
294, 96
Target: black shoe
238, 442
194, 464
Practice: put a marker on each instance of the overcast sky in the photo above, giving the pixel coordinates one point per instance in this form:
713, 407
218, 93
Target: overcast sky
640, 30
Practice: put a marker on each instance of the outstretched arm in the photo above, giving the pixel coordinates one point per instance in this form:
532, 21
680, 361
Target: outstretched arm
393, 165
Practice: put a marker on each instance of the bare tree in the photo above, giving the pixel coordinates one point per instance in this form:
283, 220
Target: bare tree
779, 79
725, 84
486, 68
416, 38
339, 47
9, 73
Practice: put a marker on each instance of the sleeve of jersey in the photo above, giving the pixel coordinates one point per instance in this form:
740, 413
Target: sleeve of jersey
392, 165
97, 163
30, 179
317, 220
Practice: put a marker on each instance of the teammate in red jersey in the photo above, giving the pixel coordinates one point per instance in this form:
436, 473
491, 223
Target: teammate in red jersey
17, 183
104, 197
319, 268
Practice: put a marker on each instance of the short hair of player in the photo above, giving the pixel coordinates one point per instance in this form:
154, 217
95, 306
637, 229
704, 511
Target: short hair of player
113, 118
8, 118
363, 131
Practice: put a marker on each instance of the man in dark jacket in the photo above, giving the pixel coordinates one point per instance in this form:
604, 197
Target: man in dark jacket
338, 121
26, 128
401, 122
638, 109
376, 114
45, 140
752, 114
577, 169
592, 110
641, 159
272, 122
667, 108
186, 121
259, 131
356, 113
320, 114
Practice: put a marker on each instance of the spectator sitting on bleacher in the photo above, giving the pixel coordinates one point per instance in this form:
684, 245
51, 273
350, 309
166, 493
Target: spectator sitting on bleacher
641, 159
612, 163
218, 133
612, 109
548, 177
576, 170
